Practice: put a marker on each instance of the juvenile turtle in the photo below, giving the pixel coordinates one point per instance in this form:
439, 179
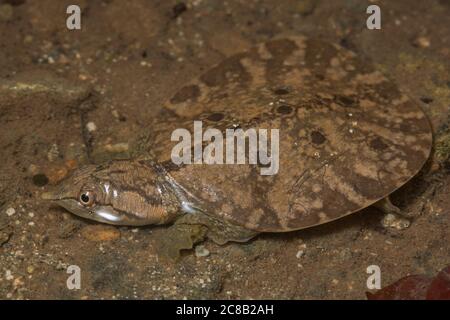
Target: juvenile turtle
348, 138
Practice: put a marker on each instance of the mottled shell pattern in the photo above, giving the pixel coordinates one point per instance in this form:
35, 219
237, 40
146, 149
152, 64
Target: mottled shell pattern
348, 136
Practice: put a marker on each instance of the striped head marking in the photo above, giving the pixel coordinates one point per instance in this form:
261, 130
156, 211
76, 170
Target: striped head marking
119, 193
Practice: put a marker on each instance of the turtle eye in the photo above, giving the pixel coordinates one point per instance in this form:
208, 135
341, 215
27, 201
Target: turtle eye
87, 198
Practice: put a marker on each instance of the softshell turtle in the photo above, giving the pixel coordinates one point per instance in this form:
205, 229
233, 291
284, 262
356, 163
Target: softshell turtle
347, 139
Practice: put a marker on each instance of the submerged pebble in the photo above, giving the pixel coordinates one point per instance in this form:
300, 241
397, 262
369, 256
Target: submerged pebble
10, 212
422, 42
30, 269
117, 148
8, 275
299, 254
91, 126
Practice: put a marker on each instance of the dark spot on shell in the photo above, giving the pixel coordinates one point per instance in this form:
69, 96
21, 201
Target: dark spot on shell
216, 116
281, 48
226, 72
387, 90
426, 100
317, 137
40, 180
378, 144
345, 101
222, 95
281, 91
406, 127
317, 52
319, 76
284, 109
190, 92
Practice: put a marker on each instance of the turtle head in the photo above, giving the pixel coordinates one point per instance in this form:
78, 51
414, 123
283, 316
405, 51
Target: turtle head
118, 192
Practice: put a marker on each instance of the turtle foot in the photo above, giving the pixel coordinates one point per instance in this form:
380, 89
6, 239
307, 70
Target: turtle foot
394, 217
178, 238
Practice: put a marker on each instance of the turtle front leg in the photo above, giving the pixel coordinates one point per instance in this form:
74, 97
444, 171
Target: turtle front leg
196, 227
394, 217
180, 237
